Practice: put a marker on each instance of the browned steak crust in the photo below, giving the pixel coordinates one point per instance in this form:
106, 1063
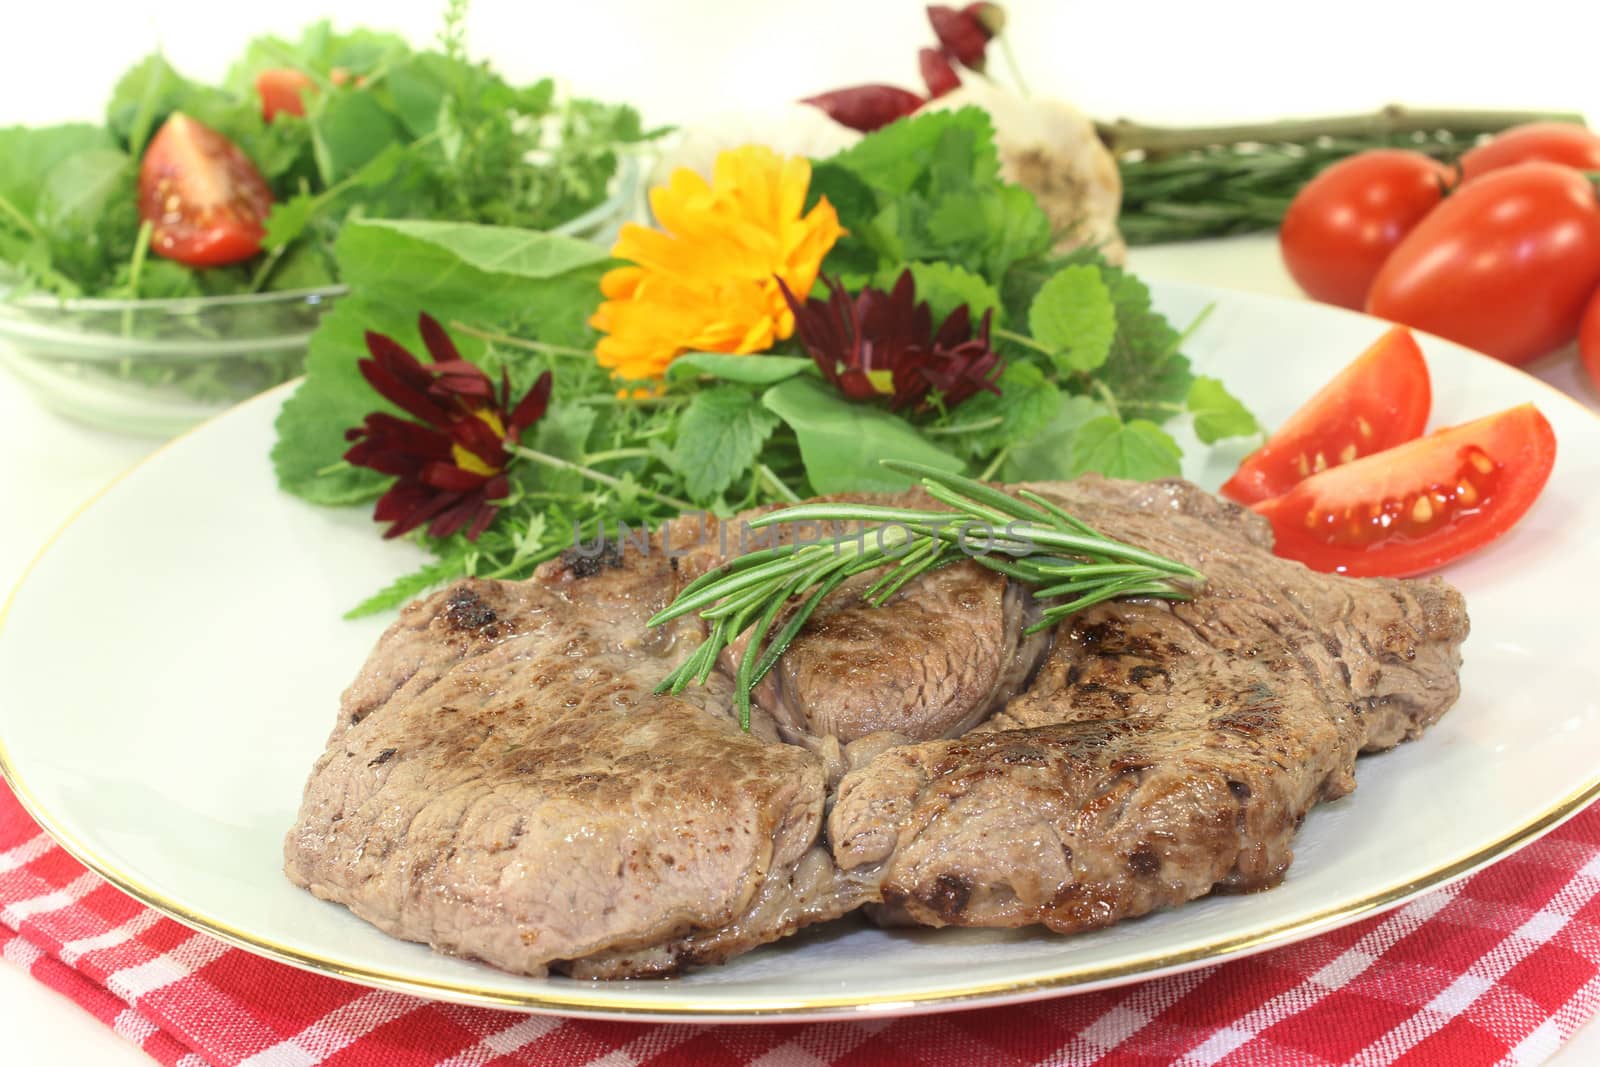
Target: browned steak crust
503, 783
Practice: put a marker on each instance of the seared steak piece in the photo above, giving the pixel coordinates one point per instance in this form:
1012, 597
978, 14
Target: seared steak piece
502, 782
934, 661
1163, 749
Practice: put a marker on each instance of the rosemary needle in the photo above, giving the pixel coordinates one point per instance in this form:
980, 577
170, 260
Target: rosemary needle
1024, 537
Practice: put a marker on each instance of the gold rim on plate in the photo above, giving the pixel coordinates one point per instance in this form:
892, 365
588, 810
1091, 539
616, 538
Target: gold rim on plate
578, 1001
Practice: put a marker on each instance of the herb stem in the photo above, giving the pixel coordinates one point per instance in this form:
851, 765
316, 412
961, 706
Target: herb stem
1024, 340
545, 459
617, 453
520, 342
995, 464
1103, 391
965, 427
777, 484
1013, 66
15, 214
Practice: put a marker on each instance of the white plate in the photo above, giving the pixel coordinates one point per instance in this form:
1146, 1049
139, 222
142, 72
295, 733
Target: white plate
170, 667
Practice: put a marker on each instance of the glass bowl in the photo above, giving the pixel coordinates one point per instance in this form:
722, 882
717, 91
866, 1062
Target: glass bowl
157, 367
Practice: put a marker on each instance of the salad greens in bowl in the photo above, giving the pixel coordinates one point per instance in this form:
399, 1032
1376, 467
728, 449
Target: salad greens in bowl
173, 259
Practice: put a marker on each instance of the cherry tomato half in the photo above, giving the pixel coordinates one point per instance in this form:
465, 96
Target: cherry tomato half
1589, 339
1504, 265
1342, 226
204, 198
1566, 143
281, 90
1379, 401
1421, 504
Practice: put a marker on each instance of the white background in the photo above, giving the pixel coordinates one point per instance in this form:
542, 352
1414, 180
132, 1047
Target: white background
682, 60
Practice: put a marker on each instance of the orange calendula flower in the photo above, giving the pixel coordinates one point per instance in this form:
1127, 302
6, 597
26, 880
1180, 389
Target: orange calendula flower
707, 281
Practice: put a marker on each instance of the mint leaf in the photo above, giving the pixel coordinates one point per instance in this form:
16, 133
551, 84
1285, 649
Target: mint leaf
1145, 370
1139, 450
746, 370
1046, 455
1217, 412
719, 438
1073, 316
841, 442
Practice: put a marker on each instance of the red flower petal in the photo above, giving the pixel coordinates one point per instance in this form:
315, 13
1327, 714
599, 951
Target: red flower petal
439, 344
532, 407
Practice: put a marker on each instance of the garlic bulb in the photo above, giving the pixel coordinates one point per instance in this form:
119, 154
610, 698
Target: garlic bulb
1051, 148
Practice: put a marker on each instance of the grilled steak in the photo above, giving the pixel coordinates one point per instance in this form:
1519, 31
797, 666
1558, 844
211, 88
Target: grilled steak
502, 782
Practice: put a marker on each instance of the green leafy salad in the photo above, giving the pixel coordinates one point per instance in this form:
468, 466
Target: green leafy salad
1046, 366
337, 125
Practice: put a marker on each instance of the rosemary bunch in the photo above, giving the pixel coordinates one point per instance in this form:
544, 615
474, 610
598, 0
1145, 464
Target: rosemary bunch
1024, 537
1180, 184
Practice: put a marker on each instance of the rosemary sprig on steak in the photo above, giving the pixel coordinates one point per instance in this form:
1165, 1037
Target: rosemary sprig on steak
1025, 537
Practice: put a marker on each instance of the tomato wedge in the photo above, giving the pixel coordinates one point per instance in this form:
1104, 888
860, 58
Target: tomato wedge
1379, 401
281, 90
1420, 504
204, 198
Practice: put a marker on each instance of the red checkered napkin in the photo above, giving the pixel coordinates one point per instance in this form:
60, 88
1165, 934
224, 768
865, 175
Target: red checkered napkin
1498, 968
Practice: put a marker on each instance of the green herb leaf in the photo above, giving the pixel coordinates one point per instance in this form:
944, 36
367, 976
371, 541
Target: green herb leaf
1073, 315
746, 370
1217, 412
408, 587
897, 158
1046, 455
27, 156
1027, 405
719, 438
1139, 450
945, 287
348, 130
841, 443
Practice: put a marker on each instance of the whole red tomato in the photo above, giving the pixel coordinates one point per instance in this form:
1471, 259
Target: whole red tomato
1345, 222
1504, 265
1553, 142
1589, 339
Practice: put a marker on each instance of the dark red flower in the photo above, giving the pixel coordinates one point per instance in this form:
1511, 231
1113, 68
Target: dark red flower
964, 35
937, 73
451, 465
882, 345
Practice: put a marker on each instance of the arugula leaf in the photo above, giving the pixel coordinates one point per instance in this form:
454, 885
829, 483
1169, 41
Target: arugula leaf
841, 443
1139, 450
746, 370
719, 437
1073, 316
1217, 412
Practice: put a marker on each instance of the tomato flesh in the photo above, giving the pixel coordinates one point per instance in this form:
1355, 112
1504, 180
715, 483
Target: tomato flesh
1344, 223
204, 199
1504, 265
1378, 401
281, 90
1589, 339
1419, 505
1566, 143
